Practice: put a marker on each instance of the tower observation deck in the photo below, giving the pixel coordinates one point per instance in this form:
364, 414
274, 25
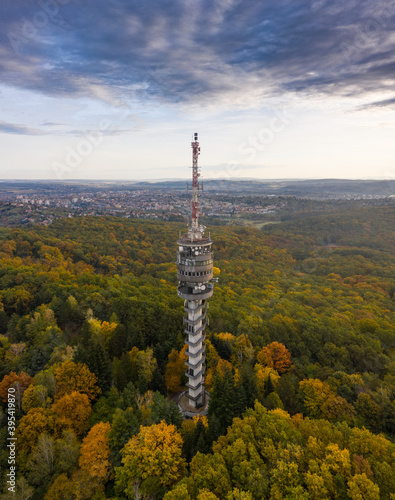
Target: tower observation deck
194, 274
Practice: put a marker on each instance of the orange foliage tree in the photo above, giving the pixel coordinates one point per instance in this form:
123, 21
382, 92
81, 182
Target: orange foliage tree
73, 411
17, 382
275, 355
95, 452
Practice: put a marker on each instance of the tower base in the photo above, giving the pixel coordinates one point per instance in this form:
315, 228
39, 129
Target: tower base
189, 411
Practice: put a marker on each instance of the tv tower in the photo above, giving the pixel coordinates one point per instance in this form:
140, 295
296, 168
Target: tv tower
194, 274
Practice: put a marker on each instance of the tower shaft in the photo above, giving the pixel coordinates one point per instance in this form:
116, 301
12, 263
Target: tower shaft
194, 274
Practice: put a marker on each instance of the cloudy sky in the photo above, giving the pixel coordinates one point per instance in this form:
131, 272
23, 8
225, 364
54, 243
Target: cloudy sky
114, 89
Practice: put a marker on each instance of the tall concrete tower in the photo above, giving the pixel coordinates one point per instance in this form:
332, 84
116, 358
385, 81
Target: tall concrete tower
194, 273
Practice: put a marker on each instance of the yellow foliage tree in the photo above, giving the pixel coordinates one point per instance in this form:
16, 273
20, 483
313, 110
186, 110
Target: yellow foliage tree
180, 492
72, 376
314, 394
237, 494
133, 354
102, 331
243, 348
35, 396
262, 374
360, 487
36, 422
144, 403
95, 451
61, 489
316, 486
201, 418
174, 369
206, 495
153, 455
226, 337
219, 366
146, 364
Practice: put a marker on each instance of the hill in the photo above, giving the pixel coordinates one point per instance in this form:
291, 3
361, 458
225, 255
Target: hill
302, 324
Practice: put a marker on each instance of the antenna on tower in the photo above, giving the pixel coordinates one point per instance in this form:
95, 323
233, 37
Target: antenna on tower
195, 183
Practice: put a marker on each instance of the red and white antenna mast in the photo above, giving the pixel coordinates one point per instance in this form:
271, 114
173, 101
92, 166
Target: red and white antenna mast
195, 185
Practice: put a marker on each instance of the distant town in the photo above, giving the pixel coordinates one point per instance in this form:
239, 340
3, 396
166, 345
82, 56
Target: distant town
231, 202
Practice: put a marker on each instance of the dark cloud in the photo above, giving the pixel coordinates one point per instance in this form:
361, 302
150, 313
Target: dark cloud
380, 104
185, 50
13, 128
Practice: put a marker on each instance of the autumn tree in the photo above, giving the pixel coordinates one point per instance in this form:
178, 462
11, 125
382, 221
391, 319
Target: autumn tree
72, 411
41, 319
243, 348
151, 460
61, 489
360, 487
47, 379
237, 494
101, 331
217, 366
208, 474
337, 408
269, 454
18, 383
266, 378
313, 394
276, 356
146, 364
36, 422
35, 396
175, 369
180, 492
95, 452
72, 376
95, 357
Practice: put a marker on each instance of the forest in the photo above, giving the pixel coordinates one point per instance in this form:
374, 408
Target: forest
300, 361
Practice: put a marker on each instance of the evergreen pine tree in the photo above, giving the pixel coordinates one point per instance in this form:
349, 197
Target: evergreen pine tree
269, 387
158, 382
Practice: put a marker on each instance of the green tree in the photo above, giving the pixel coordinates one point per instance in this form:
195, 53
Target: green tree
164, 409
124, 426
